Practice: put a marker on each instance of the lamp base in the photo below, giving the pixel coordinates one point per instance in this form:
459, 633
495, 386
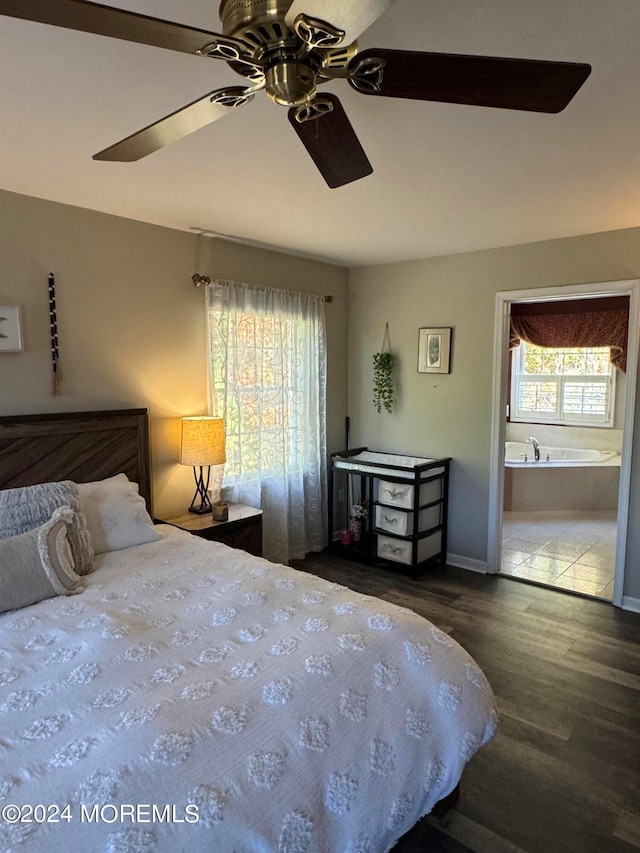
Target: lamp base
204, 505
200, 510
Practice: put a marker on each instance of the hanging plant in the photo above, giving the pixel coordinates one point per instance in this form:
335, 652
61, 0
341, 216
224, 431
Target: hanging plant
382, 375
382, 383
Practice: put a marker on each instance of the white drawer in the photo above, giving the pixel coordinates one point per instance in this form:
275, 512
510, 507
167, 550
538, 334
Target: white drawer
401, 494
397, 521
400, 550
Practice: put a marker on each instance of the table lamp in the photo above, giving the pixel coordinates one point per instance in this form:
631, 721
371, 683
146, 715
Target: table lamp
202, 445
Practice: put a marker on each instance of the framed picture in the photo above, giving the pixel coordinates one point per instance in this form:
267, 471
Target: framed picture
434, 350
10, 332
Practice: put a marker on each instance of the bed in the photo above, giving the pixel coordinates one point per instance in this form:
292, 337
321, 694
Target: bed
196, 698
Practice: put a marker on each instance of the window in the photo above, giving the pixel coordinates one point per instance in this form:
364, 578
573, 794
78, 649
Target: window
566, 385
257, 393
268, 382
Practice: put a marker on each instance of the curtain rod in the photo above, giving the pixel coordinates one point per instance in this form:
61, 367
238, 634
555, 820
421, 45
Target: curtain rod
204, 280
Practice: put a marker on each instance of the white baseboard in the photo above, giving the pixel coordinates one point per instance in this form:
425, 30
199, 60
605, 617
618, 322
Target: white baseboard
632, 604
466, 563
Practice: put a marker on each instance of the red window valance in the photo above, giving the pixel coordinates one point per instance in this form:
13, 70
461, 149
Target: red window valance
601, 322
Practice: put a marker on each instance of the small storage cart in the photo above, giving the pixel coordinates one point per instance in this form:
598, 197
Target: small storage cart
406, 500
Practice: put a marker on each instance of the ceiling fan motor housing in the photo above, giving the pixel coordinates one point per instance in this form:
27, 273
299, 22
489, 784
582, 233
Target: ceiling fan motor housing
258, 22
290, 81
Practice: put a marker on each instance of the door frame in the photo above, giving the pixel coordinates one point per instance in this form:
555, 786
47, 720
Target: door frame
504, 300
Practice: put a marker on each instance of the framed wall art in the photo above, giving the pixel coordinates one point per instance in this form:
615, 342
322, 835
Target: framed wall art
434, 350
10, 331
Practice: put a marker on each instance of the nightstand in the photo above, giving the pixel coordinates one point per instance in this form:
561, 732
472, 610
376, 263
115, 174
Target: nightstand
243, 529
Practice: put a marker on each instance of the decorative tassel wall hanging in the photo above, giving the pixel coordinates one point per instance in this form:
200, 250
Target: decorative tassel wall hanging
56, 376
197, 278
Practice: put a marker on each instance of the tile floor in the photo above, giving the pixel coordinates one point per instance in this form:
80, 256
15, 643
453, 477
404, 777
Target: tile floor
567, 550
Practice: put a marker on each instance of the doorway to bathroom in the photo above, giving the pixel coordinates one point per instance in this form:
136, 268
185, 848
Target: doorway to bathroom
561, 440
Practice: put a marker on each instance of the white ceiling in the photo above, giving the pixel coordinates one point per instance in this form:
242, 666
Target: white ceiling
447, 178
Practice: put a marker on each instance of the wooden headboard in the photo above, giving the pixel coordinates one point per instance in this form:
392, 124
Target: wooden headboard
79, 446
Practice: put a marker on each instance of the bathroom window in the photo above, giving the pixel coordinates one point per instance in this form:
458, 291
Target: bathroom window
569, 385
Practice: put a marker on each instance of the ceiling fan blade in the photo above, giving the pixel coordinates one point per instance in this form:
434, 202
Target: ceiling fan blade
173, 127
331, 141
353, 17
108, 21
486, 81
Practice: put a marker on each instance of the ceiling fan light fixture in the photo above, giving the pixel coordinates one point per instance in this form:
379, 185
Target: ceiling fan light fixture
290, 83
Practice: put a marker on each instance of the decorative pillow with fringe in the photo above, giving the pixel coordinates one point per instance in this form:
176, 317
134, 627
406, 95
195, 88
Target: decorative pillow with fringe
38, 564
24, 509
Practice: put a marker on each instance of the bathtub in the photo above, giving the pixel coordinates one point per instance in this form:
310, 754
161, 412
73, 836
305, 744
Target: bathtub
571, 479
520, 455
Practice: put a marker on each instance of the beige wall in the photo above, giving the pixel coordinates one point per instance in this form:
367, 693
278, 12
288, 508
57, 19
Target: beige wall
132, 333
450, 415
131, 323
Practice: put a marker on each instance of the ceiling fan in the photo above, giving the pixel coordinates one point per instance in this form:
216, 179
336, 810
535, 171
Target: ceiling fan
289, 48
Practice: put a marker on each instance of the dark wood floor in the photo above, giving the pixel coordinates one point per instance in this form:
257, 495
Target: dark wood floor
564, 772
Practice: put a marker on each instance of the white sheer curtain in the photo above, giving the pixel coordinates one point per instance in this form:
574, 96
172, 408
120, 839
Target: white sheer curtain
268, 381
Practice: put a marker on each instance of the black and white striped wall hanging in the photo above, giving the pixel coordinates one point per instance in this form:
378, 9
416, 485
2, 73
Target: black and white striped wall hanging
56, 375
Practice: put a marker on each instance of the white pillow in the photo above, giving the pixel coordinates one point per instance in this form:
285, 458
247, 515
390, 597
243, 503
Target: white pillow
38, 564
116, 515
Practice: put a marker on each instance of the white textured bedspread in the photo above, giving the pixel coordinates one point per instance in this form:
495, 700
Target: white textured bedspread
284, 712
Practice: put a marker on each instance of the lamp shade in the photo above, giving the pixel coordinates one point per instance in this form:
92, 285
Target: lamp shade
203, 441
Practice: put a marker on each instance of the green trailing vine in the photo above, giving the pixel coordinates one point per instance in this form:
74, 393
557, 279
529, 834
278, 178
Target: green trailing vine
382, 381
